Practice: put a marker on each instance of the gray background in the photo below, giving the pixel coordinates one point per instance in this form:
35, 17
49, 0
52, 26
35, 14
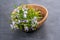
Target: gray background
50, 30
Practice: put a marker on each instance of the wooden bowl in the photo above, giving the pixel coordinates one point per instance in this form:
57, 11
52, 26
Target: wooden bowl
41, 8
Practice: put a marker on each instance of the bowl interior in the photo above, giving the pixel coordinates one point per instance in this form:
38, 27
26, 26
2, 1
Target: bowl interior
41, 8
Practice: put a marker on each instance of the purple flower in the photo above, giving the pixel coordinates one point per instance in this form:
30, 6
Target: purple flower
26, 28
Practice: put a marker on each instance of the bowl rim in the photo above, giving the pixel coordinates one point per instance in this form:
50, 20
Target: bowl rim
44, 18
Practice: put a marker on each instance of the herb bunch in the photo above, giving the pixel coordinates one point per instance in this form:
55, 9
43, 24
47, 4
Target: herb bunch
25, 18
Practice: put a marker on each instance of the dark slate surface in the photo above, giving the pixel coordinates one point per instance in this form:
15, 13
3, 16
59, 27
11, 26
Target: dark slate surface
50, 30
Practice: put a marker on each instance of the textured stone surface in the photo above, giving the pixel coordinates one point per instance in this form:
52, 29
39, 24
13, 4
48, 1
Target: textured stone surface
50, 30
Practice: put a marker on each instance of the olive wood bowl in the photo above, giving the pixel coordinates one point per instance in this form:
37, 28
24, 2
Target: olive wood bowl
37, 7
